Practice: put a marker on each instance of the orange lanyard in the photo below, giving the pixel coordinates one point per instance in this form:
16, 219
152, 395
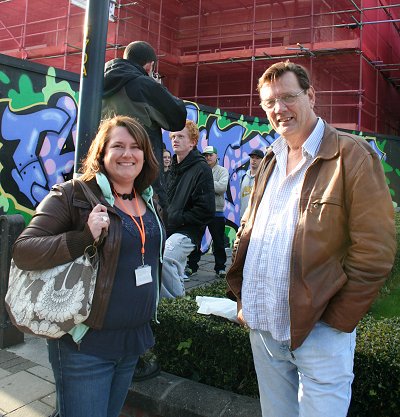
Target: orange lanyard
139, 226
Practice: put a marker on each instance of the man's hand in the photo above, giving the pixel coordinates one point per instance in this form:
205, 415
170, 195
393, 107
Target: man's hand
156, 77
242, 321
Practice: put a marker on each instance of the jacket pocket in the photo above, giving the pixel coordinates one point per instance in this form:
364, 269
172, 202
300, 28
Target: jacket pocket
317, 203
327, 209
325, 219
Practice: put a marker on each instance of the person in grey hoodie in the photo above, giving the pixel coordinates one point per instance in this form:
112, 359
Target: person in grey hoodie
132, 88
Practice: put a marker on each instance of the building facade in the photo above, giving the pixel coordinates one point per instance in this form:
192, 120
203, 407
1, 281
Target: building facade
212, 52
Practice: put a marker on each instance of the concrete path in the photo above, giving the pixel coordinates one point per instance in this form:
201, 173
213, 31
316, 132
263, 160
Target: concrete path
26, 379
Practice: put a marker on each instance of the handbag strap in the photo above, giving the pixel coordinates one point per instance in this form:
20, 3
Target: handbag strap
93, 200
89, 194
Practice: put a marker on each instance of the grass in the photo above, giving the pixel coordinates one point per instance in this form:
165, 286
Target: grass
387, 304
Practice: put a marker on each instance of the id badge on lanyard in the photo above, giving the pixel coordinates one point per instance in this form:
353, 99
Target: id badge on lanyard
143, 275
143, 272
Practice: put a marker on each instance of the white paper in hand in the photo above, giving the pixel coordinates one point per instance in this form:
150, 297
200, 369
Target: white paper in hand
223, 307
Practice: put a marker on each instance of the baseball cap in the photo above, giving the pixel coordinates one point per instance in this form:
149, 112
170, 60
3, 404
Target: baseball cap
257, 152
209, 150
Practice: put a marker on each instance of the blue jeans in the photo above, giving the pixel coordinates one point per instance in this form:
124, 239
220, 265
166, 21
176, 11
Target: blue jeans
177, 248
88, 385
312, 381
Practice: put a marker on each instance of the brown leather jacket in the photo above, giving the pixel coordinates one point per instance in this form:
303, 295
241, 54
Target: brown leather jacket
344, 244
58, 233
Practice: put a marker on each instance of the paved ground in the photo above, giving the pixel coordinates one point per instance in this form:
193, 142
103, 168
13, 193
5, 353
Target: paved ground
26, 380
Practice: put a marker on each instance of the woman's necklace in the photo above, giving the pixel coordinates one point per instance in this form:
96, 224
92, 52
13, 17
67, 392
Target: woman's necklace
129, 196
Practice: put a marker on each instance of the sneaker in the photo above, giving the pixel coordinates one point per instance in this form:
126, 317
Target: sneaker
220, 274
146, 369
189, 272
186, 278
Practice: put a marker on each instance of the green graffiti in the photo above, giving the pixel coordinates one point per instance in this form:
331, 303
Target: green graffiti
4, 78
53, 87
4, 203
386, 167
224, 121
230, 232
26, 96
255, 126
381, 144
7, 206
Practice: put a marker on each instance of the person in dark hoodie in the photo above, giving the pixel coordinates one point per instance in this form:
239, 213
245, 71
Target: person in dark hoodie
131, 88
191, 206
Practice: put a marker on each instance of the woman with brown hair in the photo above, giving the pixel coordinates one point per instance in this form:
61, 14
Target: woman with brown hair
94, 364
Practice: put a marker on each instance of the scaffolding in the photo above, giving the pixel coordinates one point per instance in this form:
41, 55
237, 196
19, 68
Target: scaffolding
213, 52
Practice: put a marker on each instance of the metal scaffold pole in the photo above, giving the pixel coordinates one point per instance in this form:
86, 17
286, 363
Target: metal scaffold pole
91, 81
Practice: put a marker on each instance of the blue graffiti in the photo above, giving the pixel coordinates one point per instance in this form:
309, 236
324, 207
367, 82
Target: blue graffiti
57, 157
43, 131
45, 143
374, 146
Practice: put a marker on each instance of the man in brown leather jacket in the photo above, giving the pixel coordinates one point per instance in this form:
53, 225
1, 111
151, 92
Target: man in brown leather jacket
315, 245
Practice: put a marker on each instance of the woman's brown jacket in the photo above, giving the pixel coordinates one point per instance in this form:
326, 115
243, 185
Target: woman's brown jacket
58, 233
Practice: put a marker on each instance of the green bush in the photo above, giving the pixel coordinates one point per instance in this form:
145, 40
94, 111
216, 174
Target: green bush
376, 387
388, 302
217, 352
207, 349
393, 281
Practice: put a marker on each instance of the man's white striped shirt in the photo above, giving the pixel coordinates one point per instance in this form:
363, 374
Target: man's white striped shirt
266, 274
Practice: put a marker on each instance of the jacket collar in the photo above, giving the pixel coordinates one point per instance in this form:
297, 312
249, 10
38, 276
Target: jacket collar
329, 147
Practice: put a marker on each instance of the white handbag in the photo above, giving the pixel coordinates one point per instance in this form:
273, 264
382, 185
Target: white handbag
50, 302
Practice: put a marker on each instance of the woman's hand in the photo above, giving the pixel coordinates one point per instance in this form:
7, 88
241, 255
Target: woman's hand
98, 220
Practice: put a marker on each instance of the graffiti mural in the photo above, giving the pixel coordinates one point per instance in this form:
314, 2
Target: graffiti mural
38, 115
235, 136
38, 120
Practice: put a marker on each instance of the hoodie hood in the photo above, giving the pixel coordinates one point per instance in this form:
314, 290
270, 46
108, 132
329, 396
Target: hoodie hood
193, 157
118, 72
104, 184
176, 171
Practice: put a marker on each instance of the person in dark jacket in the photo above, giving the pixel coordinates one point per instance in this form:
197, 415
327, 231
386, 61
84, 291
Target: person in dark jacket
167, 159
191, 206
132, 88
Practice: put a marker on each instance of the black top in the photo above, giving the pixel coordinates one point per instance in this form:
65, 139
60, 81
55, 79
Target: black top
191, 196
126, 328
128, 90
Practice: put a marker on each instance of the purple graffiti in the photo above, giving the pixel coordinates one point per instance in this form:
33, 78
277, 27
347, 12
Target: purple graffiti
58, 159
40, 156
233, 152
374, 146
233, 148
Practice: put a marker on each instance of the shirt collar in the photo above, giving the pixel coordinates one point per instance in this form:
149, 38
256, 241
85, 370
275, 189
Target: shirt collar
310, 146
313, 142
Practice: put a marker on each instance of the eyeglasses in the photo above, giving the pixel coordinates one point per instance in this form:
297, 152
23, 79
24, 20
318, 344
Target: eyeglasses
287, 100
